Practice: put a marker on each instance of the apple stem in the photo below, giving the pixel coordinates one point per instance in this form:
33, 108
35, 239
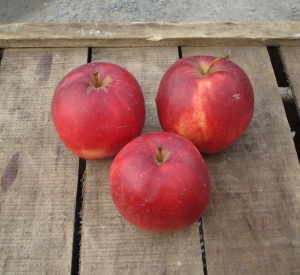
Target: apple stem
160, 157
214, 62
97, 81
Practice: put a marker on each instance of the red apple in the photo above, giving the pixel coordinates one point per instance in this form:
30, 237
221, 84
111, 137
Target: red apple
206, 99
98, 108
160, 182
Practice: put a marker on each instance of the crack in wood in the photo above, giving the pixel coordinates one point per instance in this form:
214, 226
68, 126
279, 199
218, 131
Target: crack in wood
78, 219
75, 269
1, 54
202, 246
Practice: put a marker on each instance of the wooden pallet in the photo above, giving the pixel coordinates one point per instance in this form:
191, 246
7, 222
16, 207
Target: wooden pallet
252, 222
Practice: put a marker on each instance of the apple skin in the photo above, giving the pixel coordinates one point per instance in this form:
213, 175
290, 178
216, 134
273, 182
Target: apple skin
164, 196
212, 110
96, 122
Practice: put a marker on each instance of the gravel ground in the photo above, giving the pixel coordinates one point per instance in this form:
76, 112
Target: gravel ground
147, 11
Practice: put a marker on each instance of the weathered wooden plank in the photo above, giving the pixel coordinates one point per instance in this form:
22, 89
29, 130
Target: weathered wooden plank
110, 245
38, 174
252, 223
291, 61
149, 34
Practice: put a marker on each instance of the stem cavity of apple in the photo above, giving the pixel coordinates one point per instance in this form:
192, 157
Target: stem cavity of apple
214, 62
160, 157
97, 81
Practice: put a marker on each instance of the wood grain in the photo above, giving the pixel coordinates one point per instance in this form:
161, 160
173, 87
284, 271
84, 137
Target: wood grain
252, 223
110, 245
291, 60
149, 34
38, 174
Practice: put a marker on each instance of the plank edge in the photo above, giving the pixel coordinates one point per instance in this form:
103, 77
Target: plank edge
149, 34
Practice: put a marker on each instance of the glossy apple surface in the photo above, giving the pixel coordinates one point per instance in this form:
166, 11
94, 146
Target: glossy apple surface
206, 99
98, 108
160, 182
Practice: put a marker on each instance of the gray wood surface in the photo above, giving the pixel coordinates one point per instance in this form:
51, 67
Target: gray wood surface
149, 34
38, 175
252, 223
